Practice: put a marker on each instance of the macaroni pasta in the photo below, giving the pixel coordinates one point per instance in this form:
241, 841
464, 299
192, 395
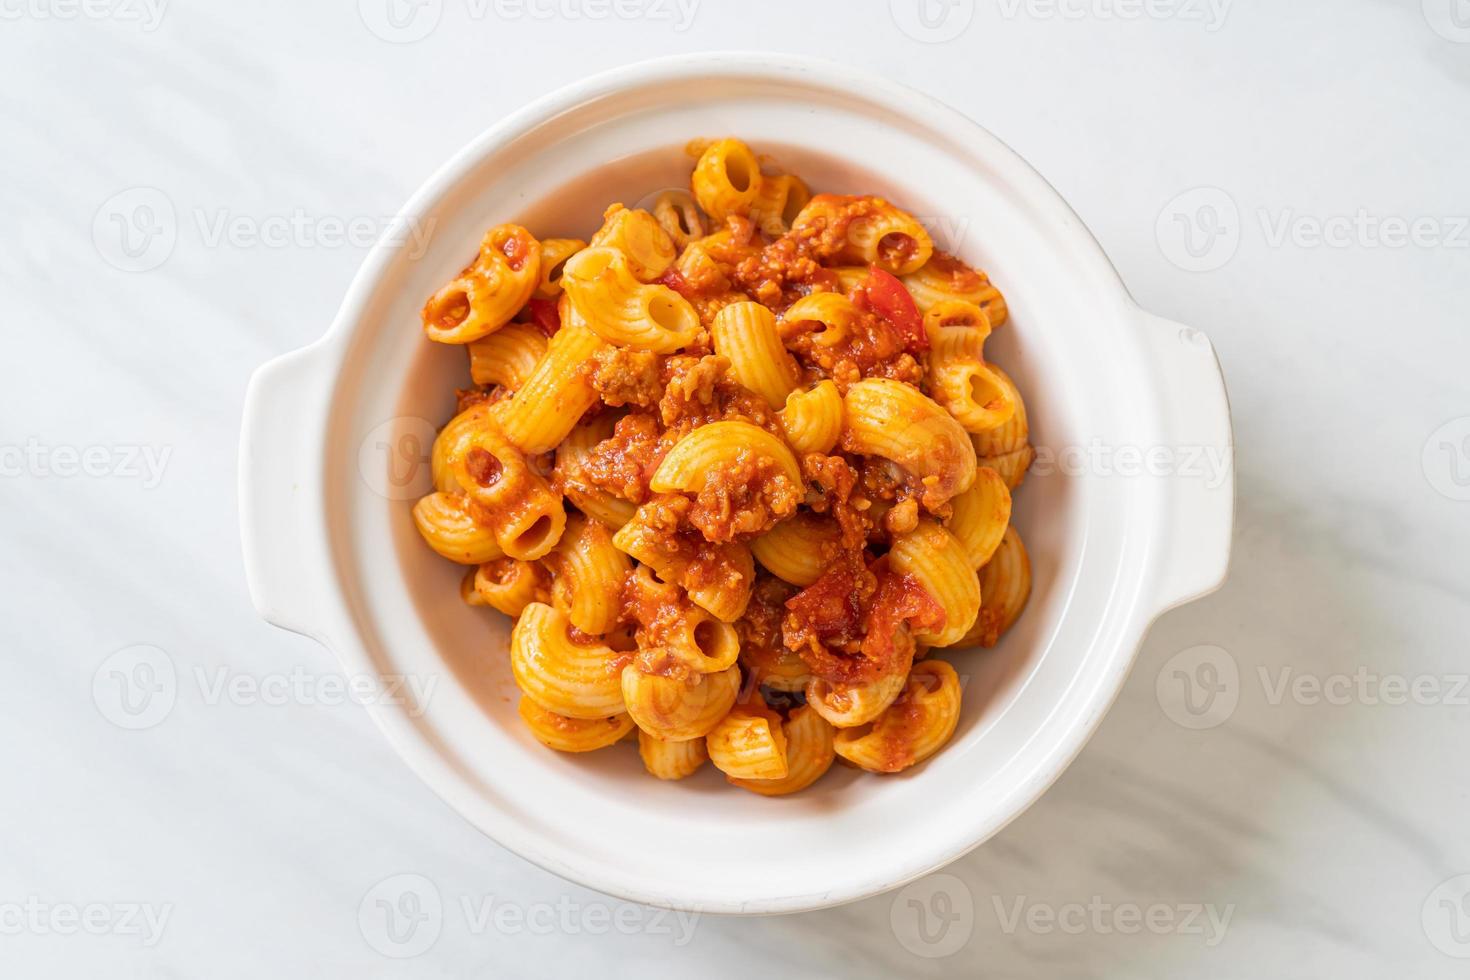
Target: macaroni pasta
737, 466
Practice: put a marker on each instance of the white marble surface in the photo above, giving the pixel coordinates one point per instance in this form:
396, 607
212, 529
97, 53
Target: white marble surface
1325, 833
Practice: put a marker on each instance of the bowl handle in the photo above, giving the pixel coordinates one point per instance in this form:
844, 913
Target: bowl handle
1201, 483
282, 526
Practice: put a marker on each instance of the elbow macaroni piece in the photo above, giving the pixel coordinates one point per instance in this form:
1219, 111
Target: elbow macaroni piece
777, 669
572, 734
712, 448
914, 728
675, 708
727, 179
872, 231
726, 597
448, 525
703, 643
834, 315
639, 236
961, 379
778, 202
1006, 448
935, 558
1012, 467
489, 292
507, 585
1010, 435
851, 705
447, 439
887, 418
541, 413
671, 760
799, 549
554, 254
809, 755
1005, 583
944, 277
589, 576
679, 217
526, 515
812, 419
748, 743
981, 515
745, 333
508, 356
605, 294
576, 680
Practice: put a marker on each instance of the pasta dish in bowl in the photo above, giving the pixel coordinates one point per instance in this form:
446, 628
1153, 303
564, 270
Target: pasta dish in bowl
778, 471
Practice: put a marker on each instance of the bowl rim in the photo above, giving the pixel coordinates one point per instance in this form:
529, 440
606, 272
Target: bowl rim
342, 636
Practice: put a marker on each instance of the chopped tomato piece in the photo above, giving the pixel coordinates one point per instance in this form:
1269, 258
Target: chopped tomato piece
891, 299
899, 605
831, 607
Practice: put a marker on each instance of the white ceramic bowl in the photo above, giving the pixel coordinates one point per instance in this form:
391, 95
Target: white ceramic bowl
334, 438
